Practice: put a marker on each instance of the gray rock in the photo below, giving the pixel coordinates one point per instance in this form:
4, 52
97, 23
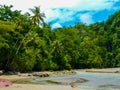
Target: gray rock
117, 71
1, 72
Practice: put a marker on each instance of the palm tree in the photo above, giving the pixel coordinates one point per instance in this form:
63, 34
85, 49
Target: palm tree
38, 17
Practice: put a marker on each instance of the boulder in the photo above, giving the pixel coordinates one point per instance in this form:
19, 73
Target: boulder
5, 82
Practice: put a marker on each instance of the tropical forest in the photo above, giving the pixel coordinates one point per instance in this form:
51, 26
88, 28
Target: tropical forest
28, 43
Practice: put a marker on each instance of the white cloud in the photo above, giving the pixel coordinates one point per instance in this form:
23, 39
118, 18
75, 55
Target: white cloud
51, 15
58, 3
70, 4
56, 25
86, 18
66, 16
51, 7
77, 6
62, 16
45, 4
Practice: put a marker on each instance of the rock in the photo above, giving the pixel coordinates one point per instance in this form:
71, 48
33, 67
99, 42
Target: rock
41, 74
5, 83
12, 73
29, 75
68, 81
73, 85
35, 75
1, 72
117, 71
45, 75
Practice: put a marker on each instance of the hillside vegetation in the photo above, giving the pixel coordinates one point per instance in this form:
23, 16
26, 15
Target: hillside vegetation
27, 43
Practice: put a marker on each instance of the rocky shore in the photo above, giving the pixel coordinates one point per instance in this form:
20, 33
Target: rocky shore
46, 73
33, 75
17, 77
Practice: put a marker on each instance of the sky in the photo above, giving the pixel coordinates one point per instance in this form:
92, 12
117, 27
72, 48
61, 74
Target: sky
61, 13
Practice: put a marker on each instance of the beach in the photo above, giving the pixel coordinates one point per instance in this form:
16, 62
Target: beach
104, 70
21, 86
38, 87
16, 86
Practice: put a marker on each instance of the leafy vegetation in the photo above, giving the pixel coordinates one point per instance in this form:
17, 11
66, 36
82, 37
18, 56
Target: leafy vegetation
27, 43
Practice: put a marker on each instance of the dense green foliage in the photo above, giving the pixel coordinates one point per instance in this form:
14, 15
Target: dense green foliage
27, 43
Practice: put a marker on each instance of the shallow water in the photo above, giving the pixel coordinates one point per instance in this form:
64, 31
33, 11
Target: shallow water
99, 81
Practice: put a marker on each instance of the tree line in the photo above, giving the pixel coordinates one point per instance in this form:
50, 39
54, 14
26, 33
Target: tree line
27, 43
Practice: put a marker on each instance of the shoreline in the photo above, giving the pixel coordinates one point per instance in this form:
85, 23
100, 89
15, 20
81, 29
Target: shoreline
31, 86
104, 70
39, 87
40, 74
34, 75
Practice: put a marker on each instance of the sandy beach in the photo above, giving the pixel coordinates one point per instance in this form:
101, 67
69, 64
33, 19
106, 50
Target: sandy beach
15, 86
104, 70
34, 86
38, 87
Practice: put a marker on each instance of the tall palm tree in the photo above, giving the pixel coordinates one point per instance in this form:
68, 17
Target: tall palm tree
38, 17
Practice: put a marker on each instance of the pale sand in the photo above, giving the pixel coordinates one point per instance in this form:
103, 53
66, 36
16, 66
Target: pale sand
39, 87
13, 77
104, 70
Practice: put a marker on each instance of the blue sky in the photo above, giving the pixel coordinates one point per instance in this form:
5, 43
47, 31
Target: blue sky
69, 12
